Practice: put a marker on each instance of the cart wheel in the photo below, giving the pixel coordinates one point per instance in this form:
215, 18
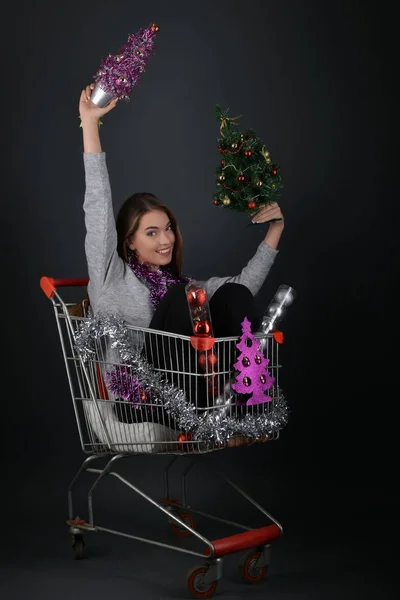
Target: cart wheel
188, 519
78, 546
249, 569
198, 588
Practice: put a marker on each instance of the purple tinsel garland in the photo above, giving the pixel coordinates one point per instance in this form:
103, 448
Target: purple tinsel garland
158, 281
124, 384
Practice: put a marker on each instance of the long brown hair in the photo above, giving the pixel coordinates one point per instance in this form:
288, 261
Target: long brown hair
128, 221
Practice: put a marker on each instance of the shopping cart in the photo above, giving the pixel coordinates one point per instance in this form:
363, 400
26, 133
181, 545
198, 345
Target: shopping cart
111, 428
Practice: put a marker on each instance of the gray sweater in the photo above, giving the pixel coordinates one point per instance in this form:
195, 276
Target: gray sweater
113, 288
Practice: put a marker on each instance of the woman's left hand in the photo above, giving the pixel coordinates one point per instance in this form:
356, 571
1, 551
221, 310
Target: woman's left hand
269, 212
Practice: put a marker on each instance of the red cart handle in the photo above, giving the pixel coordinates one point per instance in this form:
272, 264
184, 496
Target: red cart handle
244, 541
49, 284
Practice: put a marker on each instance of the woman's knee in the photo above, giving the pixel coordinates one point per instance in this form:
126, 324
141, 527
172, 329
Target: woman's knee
230, 292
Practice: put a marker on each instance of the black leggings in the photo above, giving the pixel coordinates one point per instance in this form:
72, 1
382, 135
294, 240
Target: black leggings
228, 306
178, 361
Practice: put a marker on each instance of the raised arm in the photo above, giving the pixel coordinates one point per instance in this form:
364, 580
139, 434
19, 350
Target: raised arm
90, 114
271, 213
101, 236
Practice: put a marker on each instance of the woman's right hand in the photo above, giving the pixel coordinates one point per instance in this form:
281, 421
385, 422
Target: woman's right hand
88, 110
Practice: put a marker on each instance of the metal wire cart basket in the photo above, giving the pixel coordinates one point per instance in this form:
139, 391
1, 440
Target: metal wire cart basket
113, 425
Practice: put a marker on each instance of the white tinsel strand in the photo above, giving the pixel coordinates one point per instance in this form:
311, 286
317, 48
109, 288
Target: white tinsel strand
114, 329
182, 411
218, 429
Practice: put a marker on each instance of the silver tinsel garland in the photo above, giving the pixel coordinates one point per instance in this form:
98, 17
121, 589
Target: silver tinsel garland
215, 428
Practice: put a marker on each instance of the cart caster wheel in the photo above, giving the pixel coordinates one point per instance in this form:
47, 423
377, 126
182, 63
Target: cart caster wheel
249, 570
199, 588
78, 546
188, 520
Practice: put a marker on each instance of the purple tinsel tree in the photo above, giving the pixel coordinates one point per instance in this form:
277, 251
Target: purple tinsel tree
253, 377
119, 73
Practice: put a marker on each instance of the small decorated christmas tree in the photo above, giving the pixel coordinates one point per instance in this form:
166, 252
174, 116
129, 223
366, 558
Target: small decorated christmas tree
253, 377
246, 177
119, 73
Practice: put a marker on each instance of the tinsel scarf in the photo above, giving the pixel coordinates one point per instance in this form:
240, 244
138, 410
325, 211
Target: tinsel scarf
158, 281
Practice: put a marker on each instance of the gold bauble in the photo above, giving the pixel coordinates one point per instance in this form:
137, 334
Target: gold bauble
265, 153
222, 177
234, 145
226, 201
259, 183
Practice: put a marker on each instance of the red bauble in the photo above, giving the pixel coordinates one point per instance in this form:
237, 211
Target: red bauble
251, 204
247, 381
212, 382
216, 202
241, 178
274, 171
197, 296
143, 396
246, 361
257, 359
203, 360
248, 153
222, 162
184, 437
202, 328
207, 358
212, 359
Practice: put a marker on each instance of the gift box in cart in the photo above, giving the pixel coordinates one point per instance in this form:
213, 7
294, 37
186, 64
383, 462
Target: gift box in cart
140, 391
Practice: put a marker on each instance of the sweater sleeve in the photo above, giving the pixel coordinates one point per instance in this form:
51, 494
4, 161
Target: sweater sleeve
101, 234
252, 275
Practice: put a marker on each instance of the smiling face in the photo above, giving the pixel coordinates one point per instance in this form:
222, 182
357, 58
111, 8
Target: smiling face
154, 240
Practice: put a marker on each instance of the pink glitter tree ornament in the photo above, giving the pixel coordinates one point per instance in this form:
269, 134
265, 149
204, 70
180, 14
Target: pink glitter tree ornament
119, 73
253, 377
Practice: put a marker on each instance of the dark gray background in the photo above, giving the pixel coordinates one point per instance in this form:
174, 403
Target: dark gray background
316, 81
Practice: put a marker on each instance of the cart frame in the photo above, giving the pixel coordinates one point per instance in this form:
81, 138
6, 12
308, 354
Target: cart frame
202, 580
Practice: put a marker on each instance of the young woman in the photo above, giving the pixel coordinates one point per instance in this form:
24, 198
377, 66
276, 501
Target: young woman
134, 263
